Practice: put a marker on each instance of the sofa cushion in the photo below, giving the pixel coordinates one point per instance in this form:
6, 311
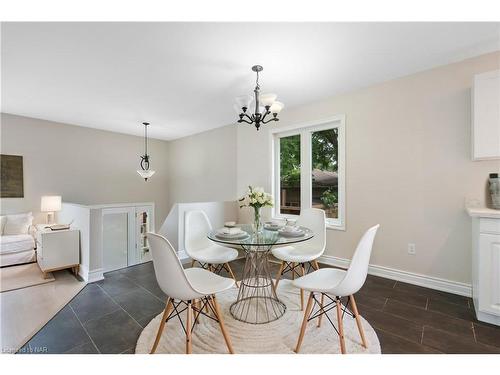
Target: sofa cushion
16, 243
18, 224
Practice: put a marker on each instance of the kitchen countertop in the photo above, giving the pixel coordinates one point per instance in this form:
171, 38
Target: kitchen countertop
483, 212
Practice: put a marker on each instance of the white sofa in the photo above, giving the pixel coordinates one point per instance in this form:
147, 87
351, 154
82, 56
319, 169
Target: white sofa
17, 239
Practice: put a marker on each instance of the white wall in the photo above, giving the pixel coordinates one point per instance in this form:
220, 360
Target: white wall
408, 167
84, 165
202, 167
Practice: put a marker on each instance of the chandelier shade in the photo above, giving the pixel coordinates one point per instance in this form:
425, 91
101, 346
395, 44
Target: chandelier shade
267, 100
264, 106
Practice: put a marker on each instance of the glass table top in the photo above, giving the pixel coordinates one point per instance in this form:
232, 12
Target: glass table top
265, 238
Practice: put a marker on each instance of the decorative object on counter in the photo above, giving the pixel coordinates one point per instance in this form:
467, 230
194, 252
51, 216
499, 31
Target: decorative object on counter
51, 204
268, 101
495, 190
145, 172
257, 198
11, 171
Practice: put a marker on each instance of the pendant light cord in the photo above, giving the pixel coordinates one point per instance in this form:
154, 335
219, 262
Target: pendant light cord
146, 139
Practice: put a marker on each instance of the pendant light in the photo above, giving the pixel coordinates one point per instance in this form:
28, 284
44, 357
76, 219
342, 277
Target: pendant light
145, 172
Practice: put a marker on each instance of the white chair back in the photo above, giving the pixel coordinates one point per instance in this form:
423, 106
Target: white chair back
196, 227
314, 219
358, 269
168, 269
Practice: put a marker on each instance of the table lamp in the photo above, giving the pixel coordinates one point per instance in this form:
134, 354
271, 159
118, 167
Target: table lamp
50, 204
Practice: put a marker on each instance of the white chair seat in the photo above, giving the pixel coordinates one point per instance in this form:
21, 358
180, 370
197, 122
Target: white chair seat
214, 254
207, 283
297, 253
323, 280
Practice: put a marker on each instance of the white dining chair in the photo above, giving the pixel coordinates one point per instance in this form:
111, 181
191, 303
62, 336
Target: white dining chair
192, 289
200, 249
303, 255
334, 284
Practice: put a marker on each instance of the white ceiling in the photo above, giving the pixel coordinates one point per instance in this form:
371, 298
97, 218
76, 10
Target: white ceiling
183, 77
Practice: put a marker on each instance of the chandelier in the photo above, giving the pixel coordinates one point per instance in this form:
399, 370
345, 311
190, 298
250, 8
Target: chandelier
145, 172
265, 105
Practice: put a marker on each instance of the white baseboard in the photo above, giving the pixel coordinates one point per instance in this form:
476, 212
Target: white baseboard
431, 282
90, 276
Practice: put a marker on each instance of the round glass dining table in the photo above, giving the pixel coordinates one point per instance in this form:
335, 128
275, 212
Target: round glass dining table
257, 301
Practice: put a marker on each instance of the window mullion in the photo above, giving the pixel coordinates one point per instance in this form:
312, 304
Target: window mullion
305, 170
277, 174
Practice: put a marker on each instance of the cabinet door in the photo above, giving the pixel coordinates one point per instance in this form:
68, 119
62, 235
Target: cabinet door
486, 116
489, 273
116, 238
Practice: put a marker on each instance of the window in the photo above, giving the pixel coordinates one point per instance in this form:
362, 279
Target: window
309, 170
290, 175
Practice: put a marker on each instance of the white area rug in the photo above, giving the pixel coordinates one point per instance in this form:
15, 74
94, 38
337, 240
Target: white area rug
278, 337
24, 311
17, 277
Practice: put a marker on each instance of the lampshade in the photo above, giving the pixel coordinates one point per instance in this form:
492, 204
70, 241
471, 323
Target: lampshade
267, 99
276, 107
244, 101
146, 173
51, 203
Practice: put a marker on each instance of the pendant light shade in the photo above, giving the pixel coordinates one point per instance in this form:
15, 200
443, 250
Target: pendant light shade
145, 174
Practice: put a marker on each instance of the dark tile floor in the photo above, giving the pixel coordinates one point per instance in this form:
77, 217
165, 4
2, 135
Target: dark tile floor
108, 316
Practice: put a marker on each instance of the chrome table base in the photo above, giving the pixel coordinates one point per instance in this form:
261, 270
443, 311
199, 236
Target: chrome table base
257, 302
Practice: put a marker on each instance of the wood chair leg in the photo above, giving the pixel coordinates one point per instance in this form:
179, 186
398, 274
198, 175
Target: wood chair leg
189, 322
358, 321
232, 275
192, 263
227, 339
166, 313
315, 264
302, 290
341, 325
304, 322
321, 307
279, 275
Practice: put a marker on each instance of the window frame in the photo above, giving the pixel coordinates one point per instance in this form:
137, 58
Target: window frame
305, 130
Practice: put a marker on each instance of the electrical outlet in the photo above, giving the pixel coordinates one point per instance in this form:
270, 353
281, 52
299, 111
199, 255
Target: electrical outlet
412, 249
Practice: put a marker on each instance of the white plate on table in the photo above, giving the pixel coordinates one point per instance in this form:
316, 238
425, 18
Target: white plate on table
291, 233
238, 236
273, 227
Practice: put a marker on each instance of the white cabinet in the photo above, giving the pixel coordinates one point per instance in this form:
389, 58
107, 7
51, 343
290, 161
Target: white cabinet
486, 116
124, 231
486, 264
57, 250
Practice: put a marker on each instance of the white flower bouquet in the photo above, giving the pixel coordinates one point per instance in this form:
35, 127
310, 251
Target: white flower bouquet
257, 198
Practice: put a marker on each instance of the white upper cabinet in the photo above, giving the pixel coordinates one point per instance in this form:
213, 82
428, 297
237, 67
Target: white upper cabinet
486, 116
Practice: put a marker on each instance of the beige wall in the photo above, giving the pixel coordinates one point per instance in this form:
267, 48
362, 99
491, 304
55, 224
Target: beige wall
83, 165
202, 167
408, 167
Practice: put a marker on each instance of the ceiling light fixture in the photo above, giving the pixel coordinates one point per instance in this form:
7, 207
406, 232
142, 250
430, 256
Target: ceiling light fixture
145, 172
268, 101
